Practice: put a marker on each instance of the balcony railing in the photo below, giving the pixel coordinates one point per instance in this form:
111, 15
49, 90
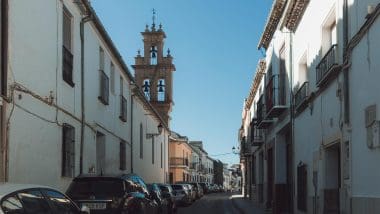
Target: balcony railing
257, 136
327, 65
179, 161
262, 121
275, 95
301, 96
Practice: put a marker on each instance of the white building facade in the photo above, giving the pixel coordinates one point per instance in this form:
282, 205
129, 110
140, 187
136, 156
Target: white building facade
326, 139
71, 105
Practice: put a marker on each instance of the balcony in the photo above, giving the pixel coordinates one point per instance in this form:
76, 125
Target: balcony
193, 166
301, 96
180, 162
275, 96
328, 66
257, 136
262, 121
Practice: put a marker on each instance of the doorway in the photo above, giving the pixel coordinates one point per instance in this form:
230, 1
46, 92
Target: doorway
332, 179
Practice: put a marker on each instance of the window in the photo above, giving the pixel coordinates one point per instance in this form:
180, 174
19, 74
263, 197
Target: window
11, 204
100, 153
146, 88
112, 76
152, 150
101, 59
104, 88
68, 151
33, 201
61, 204
122, 156
121, 85
67, 56
161, 90
123, 109
301, 187
141, 142
161, 156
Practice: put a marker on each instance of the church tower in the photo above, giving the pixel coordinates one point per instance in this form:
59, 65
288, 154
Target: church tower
154, 71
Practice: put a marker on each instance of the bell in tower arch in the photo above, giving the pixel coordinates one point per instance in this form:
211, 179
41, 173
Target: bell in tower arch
153, 55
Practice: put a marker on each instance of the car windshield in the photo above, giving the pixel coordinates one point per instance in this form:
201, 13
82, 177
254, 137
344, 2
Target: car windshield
177, 187
98, 188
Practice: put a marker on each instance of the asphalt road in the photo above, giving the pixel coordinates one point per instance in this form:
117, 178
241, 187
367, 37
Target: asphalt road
218, 203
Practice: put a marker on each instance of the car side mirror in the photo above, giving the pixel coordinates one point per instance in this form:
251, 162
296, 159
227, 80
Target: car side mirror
85, 210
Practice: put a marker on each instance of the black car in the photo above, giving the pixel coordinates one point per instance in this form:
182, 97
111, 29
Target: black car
112, 194
30, 198
168, 193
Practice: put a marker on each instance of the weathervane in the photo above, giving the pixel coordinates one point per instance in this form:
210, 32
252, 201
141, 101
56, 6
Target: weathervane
154, 16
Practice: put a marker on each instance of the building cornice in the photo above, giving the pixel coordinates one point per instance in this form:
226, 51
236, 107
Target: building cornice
294, 13
260, 71
272, 23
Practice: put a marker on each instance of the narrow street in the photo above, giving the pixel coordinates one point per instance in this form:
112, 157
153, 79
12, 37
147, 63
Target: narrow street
220, 203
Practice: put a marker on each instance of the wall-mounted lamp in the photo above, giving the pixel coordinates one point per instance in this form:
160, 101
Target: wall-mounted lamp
159, 129
235, 150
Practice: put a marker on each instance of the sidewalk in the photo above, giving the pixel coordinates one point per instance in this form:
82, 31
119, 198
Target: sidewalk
245, 206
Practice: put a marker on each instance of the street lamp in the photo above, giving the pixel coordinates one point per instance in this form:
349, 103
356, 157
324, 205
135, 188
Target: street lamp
235, 150
159, 129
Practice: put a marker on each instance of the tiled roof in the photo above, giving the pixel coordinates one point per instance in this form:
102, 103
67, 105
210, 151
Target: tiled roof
260, 70
294, 13
272, 22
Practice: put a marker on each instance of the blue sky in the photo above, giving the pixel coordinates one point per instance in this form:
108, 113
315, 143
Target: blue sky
214, 45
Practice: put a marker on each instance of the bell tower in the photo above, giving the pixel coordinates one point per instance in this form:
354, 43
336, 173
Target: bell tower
154, 71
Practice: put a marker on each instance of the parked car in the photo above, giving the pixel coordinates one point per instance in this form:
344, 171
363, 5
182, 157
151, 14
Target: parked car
26, 198
181, 196
112, 194
167, 188
157, 195
198, 189
205, 187
190, 189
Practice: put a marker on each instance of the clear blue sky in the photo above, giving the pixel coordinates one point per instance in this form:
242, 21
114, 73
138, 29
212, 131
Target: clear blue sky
214, 45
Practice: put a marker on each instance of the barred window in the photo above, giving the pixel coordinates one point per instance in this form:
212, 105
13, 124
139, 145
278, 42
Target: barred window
112, 76
104, 88
68, 151
123, 109
122, 156
152, 150
67, 56
141, 142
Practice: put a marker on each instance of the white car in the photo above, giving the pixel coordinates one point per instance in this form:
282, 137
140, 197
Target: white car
29, 198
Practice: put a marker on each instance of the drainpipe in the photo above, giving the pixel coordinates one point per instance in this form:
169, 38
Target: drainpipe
132, 129
346, 86
82, 128
292, 116
4, 85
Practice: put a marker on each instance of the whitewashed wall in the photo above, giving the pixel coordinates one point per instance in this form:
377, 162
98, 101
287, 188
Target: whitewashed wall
35, 137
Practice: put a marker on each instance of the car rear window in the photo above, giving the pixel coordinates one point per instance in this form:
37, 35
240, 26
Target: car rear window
177, 187
96, 187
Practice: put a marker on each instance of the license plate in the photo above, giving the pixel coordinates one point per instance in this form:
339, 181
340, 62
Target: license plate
95, 206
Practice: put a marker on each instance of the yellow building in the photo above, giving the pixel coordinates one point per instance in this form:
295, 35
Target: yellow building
179, 158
